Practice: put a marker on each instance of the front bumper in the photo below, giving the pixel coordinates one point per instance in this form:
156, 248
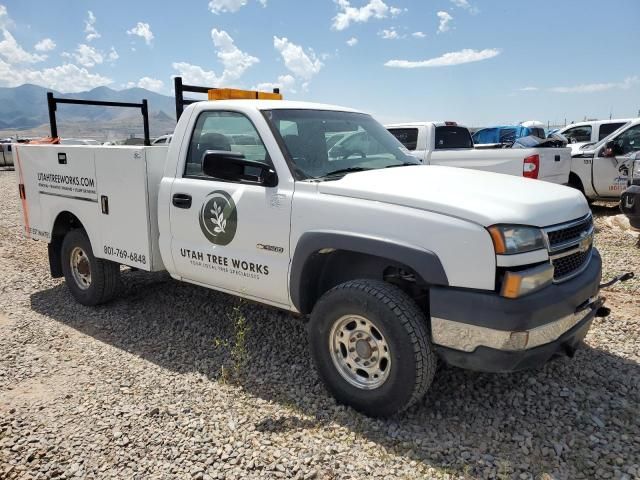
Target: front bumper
486, 332
630, 205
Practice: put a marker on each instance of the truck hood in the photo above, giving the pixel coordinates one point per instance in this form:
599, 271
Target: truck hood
482, 197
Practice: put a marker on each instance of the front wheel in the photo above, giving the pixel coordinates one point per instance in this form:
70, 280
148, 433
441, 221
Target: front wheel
371, 347
90, 280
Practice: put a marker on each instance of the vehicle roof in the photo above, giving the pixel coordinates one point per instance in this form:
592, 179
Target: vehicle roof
279, 105
420, 124
598, 122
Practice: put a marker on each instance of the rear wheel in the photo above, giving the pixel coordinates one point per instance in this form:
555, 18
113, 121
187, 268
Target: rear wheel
371, 347
90, 280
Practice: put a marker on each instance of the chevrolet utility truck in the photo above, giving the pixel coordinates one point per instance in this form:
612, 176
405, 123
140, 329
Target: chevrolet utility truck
397, 264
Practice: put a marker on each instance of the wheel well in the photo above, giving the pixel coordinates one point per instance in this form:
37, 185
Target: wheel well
65, 221
328, 268
575, 182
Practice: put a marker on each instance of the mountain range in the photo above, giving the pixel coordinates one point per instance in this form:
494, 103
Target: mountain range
23, 111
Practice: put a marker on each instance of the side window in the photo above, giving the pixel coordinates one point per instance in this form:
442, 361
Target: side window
607, 129
160, 141
578, 134
407, 136
628, 142
226, 131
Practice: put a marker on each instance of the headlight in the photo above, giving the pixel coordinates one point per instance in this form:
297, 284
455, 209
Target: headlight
510, 239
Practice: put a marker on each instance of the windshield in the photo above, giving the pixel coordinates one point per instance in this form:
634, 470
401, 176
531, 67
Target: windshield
324, 143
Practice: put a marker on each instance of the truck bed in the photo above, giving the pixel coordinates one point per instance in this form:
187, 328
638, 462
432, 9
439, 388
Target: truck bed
112, 191
555, 163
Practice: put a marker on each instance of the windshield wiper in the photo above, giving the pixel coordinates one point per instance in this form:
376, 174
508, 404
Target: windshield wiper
344, 171
405, 164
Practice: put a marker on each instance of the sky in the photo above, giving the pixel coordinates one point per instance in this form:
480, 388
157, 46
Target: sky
478, 62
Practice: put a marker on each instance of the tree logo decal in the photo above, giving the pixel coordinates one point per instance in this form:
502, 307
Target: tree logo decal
219, 218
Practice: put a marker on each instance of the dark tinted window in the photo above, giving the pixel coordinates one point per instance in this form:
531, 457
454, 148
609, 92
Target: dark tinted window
607, 129
628, 142
578, 134
407, 136
538, 132
452, 137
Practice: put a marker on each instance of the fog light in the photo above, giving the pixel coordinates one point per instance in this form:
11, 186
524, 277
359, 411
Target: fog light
517, 284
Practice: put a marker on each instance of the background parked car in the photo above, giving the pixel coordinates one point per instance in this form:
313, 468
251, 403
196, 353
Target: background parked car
583, 133
507, 134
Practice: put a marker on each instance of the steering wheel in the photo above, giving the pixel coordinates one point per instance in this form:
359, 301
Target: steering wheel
355, 152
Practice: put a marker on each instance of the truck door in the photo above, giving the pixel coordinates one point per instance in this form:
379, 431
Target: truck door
610, 173
230, 235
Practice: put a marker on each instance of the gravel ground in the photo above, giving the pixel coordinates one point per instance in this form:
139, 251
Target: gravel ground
175, 381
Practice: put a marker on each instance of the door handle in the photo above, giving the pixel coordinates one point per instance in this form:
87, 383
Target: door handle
182, 200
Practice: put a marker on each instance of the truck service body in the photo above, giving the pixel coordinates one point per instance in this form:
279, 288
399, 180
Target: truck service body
450, 144
397, 263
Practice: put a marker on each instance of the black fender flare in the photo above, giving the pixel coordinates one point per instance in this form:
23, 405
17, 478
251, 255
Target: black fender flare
424, 262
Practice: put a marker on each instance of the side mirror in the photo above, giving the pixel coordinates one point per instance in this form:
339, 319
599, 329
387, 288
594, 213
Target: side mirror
232, 166
607, 150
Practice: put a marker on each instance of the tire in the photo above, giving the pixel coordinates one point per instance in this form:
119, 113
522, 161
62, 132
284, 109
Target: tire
103, 279
400, 326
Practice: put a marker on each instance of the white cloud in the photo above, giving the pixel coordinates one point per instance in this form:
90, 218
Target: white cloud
389, 34
14, 53
445, 19
221, 6
467, 55
5, 21
418, 34
196, 75
348, 14
66, 78
304, 65
465, 5
86, 55
285, 83
152, 84
113, 55
142, 30
529, 89
598, 87
45, 45
89, 27
234, 61
352, 41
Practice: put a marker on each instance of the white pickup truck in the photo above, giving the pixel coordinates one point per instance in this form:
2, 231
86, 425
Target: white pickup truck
601, 171
397, 264
450, 144
590, 132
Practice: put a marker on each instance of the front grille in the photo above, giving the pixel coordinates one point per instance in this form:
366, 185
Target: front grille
570, 247
573, 232
566, 266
